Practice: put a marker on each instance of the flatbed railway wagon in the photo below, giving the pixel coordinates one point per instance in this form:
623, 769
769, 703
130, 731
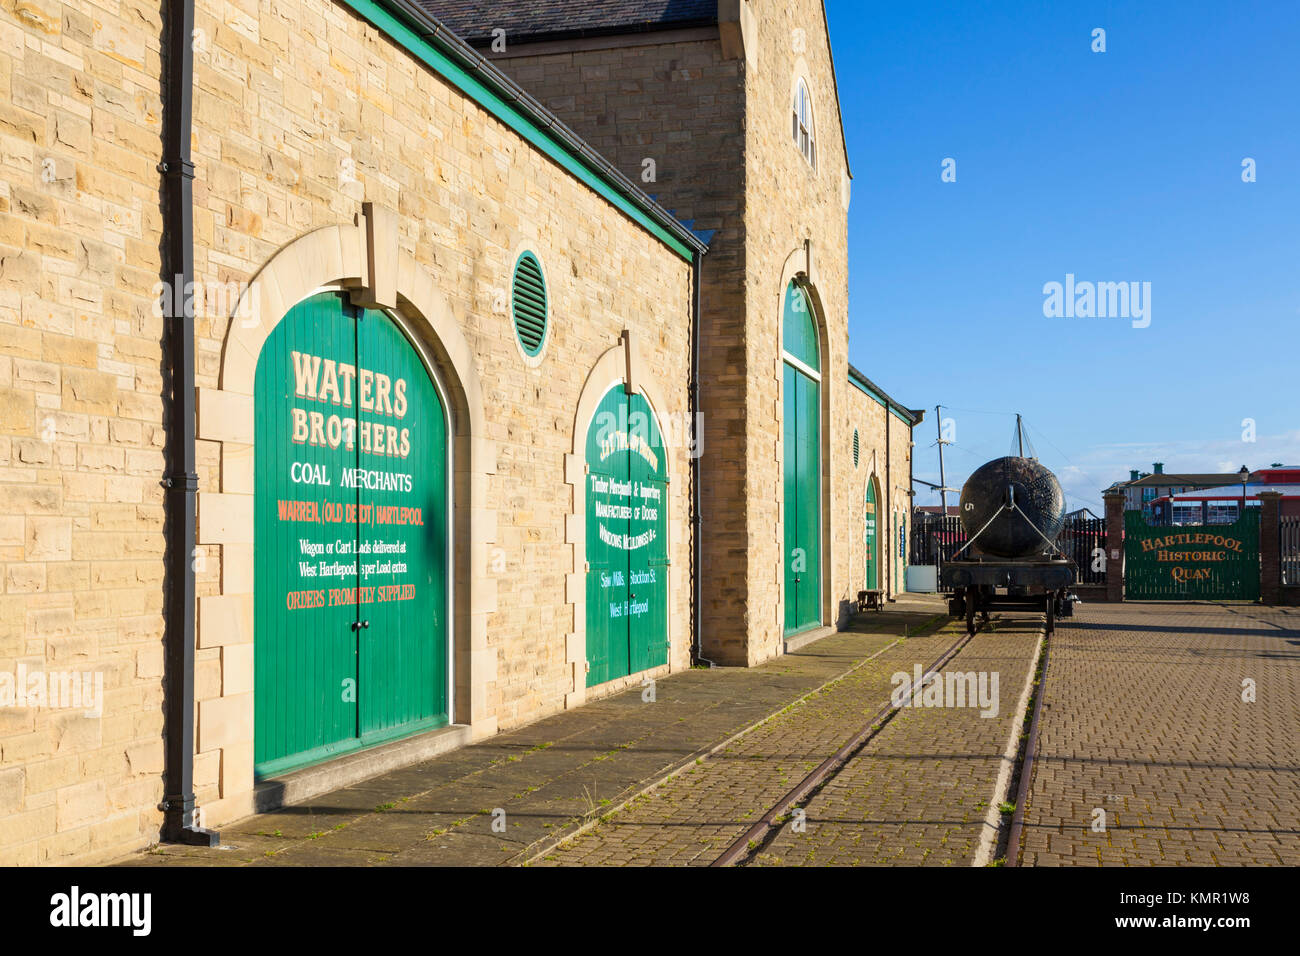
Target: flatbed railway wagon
1012, 510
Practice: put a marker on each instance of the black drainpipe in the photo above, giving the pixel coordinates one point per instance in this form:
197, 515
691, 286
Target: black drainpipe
182, 481
911, 489
697, 447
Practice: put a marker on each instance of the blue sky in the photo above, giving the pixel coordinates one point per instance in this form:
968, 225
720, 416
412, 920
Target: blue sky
1122, 166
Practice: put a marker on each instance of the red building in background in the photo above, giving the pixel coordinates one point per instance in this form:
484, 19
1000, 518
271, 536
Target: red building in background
1221, 505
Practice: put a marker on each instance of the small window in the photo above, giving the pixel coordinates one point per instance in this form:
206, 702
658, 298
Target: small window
801, 123
855, 448
528, 302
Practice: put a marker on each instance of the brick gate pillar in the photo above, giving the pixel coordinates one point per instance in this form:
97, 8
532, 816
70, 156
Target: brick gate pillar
1115, 547
1270, 547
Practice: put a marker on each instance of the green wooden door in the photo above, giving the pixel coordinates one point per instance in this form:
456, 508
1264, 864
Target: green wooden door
808, 505
627, 541
350, 556
869, 536
402, 530
801, 430
608, 489
305, 612
647, 546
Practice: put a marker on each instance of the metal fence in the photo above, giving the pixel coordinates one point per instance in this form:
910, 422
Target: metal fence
936, 538
1084, 540
1289, 548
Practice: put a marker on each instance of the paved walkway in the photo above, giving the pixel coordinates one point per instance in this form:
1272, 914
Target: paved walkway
918, 792
550, 777
1144, 719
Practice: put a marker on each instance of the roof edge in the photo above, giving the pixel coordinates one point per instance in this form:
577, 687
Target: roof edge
611, 31
510, 103
835, 85
912, 416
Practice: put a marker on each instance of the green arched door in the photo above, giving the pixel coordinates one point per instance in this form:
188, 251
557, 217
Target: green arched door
869, 538
802, 462
351, 616
627, 539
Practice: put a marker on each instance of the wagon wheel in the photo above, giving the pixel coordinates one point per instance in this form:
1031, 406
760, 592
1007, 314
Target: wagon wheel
1051, 614
972, 598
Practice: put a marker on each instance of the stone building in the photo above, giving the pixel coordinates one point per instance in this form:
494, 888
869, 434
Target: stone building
728, 113
375, 435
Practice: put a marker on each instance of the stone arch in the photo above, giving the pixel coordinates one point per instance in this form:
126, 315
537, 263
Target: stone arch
872, 484
620, 364
800, 267
364, 259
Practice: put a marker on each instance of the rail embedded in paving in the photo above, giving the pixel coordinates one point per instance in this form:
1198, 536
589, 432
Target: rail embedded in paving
754, 837
1027, 764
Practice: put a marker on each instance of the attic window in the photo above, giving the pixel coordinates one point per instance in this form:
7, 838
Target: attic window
801, 123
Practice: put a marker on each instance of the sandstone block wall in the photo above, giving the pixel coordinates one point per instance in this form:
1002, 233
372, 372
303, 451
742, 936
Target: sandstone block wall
715, 117
669, 111
306, 109
789, 202
301, 111
81, 422
893, 504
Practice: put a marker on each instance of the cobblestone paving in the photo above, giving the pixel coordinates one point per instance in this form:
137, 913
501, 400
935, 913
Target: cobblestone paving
918, 793
549, 777
925, 775
1144, 719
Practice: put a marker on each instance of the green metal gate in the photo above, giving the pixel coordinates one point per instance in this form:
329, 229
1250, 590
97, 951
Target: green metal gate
351, 558
802, 464
1191, 562
627, 539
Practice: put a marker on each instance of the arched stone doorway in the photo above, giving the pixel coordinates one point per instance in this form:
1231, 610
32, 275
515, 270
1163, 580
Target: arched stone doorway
352, 467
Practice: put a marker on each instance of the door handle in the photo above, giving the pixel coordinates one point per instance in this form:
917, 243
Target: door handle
358, 625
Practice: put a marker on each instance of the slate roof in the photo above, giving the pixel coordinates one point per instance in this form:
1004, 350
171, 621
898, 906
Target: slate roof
474, 20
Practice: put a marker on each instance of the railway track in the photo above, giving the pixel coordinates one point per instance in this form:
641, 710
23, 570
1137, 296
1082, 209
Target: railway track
749, 843
1025, 767
752, 841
